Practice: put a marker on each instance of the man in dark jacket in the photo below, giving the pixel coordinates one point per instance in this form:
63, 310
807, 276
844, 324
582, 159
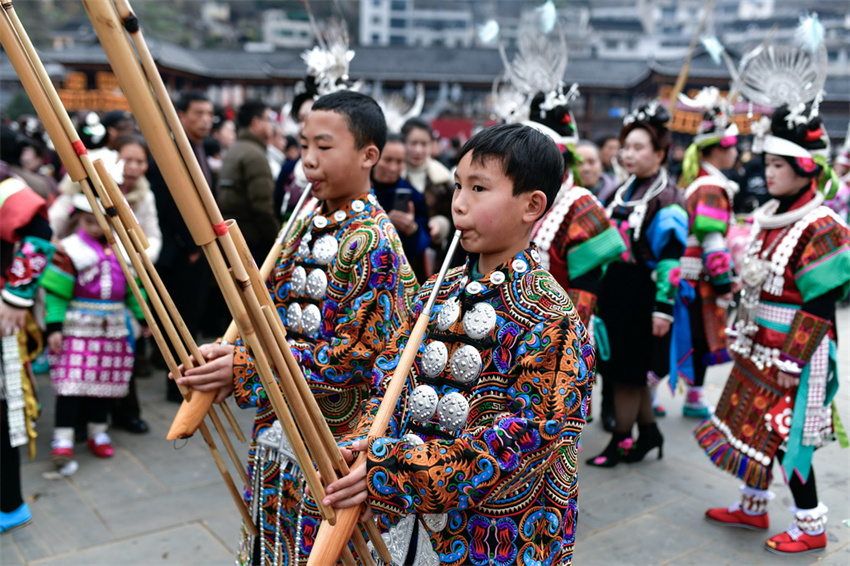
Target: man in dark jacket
245, 185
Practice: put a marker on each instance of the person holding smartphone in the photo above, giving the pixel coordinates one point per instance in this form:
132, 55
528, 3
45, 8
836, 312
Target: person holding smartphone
405, 205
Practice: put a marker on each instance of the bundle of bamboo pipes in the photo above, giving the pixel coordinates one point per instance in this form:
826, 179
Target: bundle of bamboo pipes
97, 184
244, 291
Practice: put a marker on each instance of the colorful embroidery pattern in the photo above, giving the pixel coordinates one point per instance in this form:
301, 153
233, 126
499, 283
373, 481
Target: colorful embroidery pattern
505, 476
341, 287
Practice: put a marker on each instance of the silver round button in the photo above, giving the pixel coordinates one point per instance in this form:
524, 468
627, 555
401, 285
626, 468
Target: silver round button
311, 319
358, 206
423, 403
317, 284
371, 198
303, 249
298, 280
479, 321
434, 358
325, 248
535, 255
435, 522
340, 215
497, 278
452, 411
519, 266
293, 317
320, 222
448, 314
474, 288
412, 439
466, 364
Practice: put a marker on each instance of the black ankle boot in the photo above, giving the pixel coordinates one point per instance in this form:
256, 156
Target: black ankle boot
618, 449
649, 437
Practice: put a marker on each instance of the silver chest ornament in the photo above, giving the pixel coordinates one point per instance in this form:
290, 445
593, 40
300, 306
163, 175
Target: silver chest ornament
298, 280
273, 438
293, 317
317, 284
412, 439
311, 319
466, 364
448, 314
754, 271
423, 403
452, 410
434, 358
435, 522
479, 321
325, 248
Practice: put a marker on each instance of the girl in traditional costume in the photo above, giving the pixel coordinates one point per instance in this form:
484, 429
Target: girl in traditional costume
636, 294
89, 334
777, 403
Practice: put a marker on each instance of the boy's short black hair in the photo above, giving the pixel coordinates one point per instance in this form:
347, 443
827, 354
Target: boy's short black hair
365, 118
394, 137
528, 157
249, 110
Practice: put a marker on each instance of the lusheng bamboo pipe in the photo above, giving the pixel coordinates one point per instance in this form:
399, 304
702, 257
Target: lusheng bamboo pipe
331, 538
70, 147
686, 66
167, 313
230, 274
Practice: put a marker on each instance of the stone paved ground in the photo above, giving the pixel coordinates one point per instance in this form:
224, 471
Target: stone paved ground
157, 503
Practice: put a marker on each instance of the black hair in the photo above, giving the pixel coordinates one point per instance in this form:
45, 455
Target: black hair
135, 139
212, 146
187, 98
249, 110
365, 119
601, 141
11, 146
416, 124
808, 134
557, 118
528, 157
655, 124
394, 137
291, 141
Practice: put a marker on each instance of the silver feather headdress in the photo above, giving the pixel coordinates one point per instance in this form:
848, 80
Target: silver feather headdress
328, 61
397, 110
536, 70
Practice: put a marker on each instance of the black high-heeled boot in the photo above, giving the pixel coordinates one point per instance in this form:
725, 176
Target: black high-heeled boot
617, 450
650, 437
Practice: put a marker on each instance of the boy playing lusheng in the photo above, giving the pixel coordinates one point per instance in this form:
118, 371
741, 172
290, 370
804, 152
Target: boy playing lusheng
340, 287
482, 446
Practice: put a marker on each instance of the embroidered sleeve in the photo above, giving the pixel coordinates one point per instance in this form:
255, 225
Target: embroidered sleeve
585, 304
803, 338
58, 281
711, 212
26, 269
547, 407
593, 241
133, 304
823, 262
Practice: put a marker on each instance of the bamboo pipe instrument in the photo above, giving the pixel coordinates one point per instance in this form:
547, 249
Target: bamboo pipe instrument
115, 203
41, 91
274, 253
112, 38
192, 410
331, 538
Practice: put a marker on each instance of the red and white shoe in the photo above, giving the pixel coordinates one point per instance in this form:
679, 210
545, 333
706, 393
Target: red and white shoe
735, 517
795, 541
101, 445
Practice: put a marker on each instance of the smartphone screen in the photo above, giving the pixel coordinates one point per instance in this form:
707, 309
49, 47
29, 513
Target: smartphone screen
402, 199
